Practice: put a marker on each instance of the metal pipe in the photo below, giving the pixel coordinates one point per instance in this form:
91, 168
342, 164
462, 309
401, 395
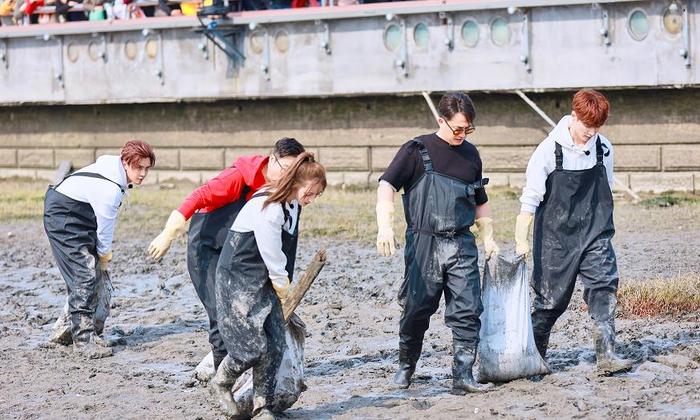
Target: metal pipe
535, 108
426, 95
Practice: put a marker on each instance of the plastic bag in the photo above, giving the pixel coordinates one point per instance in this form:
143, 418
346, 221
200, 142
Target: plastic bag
507, 349
290, 376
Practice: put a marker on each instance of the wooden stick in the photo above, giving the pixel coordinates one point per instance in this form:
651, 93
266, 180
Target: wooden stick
303, 285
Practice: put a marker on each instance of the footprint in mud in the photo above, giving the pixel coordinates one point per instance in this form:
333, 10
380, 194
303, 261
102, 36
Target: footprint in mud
330, 367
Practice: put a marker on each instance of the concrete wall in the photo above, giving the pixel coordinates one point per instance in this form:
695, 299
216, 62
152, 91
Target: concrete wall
656, 134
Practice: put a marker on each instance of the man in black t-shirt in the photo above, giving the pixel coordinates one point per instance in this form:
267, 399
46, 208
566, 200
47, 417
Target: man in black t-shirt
444, 195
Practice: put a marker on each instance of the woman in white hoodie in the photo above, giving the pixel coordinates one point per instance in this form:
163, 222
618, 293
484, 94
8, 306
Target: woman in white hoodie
252, 281
79, 218
569, 194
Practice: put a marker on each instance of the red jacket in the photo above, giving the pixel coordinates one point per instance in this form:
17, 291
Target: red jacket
227, 186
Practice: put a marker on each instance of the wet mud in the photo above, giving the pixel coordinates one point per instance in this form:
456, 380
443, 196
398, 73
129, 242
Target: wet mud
159, 330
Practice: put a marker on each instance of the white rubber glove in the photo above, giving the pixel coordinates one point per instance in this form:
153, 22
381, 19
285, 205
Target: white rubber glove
173, 227
485, 225
522, 228
386, 244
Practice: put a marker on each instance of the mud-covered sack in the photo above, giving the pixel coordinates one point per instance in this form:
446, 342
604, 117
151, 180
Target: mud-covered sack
60, 332
507, 348
290, 376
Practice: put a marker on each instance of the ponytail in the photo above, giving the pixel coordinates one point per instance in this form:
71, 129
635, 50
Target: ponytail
305, 168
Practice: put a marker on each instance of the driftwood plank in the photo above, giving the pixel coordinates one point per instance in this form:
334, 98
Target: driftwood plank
302, 286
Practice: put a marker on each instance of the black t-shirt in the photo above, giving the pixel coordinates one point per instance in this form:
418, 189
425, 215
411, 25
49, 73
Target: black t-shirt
462, 162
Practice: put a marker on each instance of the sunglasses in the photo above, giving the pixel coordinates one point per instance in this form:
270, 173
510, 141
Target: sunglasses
459, 130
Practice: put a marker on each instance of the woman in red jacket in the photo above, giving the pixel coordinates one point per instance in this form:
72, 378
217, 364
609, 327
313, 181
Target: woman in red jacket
213, 207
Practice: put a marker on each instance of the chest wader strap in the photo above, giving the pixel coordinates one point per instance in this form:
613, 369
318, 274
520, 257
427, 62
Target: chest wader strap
92, 175
599, 151
558, 156
97, 176
425, 157
287, 215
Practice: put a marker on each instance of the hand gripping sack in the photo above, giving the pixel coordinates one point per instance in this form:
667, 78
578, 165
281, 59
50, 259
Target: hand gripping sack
507, 348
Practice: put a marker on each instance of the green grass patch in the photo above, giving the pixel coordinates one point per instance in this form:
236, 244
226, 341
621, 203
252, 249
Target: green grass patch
669, 199
339, 213
21, 199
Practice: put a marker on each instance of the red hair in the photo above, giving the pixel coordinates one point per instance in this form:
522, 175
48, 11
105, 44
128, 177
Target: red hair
135, 150
591, 107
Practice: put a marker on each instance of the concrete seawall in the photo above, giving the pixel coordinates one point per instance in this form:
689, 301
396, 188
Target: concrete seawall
656, 134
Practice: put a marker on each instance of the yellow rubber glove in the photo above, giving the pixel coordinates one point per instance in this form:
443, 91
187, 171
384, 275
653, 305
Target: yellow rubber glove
522, 227
103, 260
485, 225
386, 244
281, 286
173, 227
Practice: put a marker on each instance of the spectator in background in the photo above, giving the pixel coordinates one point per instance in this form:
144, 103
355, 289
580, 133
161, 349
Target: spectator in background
188, 9
64, 14
18, 12
45, 18
7, 8
94, 9
126, 9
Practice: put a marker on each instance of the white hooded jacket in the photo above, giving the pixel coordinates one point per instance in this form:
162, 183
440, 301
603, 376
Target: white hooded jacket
543, 162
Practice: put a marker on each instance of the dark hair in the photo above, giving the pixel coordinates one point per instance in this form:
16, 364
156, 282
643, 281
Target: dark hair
453, 103
287, 146
135, 150
304, 168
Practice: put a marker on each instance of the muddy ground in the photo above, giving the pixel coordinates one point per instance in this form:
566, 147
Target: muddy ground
351, 350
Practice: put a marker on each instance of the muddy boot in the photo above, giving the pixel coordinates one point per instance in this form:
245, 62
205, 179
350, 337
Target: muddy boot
90, 347
84, 342
407, 366
606, 359
60, 333
264, 414
218, 358
220, 386
542, 342
541, 329
462, 378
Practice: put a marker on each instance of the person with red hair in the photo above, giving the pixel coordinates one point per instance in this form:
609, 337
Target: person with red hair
79, 218
568, 193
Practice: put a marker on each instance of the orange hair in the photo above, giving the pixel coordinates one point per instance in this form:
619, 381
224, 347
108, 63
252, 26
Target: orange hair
591, 107
135, 150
